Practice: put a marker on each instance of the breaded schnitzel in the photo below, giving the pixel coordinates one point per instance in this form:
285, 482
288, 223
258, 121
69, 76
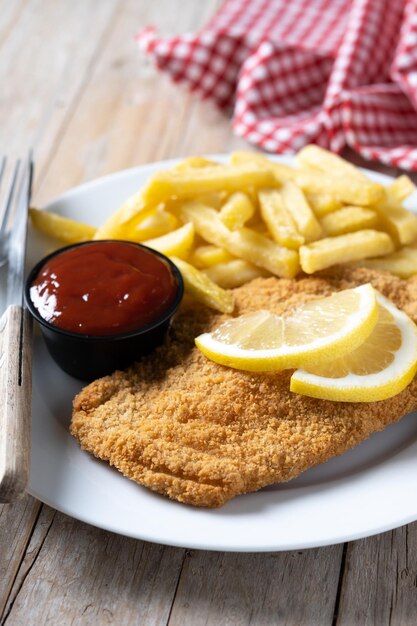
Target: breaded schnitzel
202, 433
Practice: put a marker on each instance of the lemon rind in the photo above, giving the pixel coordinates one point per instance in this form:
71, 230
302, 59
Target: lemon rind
355, 388
287, 357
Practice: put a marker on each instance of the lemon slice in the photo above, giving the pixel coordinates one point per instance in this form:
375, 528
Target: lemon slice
319, 330
378, 369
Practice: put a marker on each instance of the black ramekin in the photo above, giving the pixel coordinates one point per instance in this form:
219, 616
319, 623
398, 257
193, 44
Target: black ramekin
90, 356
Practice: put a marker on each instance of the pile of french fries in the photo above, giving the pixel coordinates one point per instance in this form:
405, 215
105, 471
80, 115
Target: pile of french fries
225, 224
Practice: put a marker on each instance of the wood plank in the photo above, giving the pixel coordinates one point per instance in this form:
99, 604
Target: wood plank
204, 115
224, 589
89, 576
43, 521
16, 401
16, 523
129, 114
39, 95
380, 580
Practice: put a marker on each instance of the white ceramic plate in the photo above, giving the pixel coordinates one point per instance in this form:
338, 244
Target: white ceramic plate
366, 491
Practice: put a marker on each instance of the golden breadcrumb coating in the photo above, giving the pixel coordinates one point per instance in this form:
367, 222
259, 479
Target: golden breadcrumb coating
202, 433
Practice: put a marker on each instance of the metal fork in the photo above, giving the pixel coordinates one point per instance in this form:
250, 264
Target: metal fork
5, 215
15, 336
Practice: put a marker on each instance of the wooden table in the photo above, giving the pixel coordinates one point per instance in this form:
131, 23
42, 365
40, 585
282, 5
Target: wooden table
74, 86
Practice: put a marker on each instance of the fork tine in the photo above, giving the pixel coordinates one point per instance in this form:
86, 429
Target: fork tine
30, 167
20, 198
6, 209
3, 167
9, 200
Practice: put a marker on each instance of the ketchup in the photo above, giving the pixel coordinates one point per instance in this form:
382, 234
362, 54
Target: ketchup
104, 288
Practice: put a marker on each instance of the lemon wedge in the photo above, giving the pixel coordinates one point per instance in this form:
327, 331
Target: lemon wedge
322, 329
378, 369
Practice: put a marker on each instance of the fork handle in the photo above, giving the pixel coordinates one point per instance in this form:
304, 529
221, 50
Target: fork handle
15, 401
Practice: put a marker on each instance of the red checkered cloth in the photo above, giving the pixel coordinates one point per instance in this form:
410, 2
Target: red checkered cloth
292, 72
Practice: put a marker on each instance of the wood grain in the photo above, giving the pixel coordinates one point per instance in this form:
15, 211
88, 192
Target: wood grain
217, 135
226, 589
45, 61
380, 580
16, 524
129, 114
15, 401
89, 576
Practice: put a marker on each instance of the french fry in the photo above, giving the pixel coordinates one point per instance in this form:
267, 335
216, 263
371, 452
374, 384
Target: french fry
401, 188
234, 273
348, 220
397, 221
209, 255
319, 158
62, 228
203, 289
158, 223
402, 263
278, 220
349, 192
299, 209
323, 203
176, 243
115, 226
353, 184
263, 252
281, 171
207, 224
215, 200
198, 182
344, 248
194, 162
244, 243
297, 206
236, 211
